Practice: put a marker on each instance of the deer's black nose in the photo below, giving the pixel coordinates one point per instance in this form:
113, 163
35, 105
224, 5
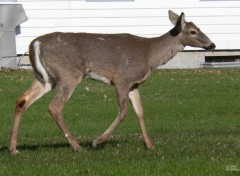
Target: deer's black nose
212, 47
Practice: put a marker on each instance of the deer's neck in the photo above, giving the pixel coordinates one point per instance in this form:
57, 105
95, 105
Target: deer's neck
163, 49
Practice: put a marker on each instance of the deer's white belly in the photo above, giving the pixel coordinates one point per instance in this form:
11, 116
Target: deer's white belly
92, 75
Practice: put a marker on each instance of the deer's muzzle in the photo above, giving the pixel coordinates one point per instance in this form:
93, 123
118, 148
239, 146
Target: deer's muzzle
211, 47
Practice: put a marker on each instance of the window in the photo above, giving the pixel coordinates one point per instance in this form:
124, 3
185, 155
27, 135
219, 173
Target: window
222, 58
221, 62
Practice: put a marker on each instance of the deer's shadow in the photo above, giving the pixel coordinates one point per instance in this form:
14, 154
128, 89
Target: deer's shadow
86, 145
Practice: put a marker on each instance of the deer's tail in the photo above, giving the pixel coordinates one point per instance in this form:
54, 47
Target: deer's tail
37, 64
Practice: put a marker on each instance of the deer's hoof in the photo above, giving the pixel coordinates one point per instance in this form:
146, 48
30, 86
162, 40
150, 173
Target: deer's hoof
150, 146
94, 144
14, 152
77, 149
12, 149
98, 142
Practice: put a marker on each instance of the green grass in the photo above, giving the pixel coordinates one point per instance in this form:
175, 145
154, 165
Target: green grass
192, 116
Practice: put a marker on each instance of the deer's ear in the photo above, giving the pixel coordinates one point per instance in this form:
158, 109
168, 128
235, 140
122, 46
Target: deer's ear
173, 17
181, 21
179, 26
176, 19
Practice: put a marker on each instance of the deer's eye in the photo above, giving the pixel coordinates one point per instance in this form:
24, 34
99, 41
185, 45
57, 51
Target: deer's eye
193, 32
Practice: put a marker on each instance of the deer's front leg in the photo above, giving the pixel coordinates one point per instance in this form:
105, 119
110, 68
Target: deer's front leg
137, 105
65, 90
122, 93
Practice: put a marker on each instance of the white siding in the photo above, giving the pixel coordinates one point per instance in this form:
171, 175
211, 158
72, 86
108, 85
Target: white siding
220, 20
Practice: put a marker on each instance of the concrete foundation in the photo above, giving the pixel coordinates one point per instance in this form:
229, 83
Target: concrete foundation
194, 59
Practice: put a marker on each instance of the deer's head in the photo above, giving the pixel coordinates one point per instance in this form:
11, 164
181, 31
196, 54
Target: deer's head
190, 34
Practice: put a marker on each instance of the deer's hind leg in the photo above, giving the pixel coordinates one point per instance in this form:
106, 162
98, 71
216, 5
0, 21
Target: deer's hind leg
37, 90
65, 90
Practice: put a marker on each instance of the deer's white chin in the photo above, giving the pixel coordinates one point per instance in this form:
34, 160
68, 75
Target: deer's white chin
181, 47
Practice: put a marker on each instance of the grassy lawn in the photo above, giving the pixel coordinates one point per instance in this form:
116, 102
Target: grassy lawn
192, 116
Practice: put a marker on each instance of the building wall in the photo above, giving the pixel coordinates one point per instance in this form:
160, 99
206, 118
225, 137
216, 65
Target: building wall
220, 20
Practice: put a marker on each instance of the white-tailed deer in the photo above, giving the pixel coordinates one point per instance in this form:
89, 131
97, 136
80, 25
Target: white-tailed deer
123, 60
